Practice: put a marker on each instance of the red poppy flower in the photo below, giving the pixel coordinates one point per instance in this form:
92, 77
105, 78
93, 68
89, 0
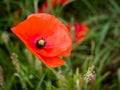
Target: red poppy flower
54, 3
80, 31
46, 37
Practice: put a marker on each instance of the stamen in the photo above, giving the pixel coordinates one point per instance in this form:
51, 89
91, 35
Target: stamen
40, 43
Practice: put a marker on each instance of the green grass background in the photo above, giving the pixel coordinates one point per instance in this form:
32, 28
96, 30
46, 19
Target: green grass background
20, 70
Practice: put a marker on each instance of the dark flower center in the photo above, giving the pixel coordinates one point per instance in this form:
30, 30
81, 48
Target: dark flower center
40, 43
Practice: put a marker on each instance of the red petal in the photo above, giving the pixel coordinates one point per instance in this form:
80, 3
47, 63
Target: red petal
80, 31
44, 26
49, 61
65, 53
58, 42
52, 61
63, 1
55, 2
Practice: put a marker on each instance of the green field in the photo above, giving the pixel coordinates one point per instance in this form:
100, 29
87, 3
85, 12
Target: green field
97, 54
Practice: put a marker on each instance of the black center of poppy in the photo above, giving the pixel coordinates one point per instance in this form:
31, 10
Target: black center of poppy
40, 43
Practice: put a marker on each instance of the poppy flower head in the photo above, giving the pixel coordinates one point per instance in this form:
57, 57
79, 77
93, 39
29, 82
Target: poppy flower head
79, 31
46, 37
54, 4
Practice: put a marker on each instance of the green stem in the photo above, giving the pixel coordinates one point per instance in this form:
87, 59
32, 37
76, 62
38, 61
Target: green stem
36, 6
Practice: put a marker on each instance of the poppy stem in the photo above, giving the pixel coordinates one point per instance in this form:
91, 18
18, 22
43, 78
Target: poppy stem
35, 6
50, 6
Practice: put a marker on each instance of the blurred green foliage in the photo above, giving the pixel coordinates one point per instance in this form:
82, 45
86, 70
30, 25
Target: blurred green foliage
20, 70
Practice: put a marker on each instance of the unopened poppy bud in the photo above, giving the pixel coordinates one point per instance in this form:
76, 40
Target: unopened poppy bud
40, 43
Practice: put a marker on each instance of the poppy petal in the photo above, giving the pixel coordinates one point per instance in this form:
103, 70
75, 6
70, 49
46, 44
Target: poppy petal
49, 61
67, 52
59, 44
52, 61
